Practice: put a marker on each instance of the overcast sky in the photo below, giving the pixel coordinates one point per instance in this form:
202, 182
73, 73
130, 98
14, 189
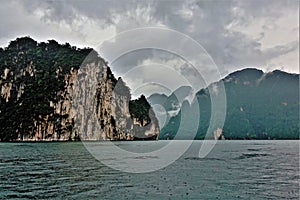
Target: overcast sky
235, 34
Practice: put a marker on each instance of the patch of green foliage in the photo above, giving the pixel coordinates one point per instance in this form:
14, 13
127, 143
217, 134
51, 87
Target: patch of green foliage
139, 108
50, 62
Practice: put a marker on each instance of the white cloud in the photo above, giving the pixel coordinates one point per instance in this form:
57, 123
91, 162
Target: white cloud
237, 34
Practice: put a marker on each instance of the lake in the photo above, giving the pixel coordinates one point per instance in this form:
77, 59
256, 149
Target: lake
232, 170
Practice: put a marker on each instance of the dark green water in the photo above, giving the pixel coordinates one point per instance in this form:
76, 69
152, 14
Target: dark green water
233, 170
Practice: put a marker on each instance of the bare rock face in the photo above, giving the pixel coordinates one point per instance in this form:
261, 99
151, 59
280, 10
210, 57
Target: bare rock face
104, 107
58, 92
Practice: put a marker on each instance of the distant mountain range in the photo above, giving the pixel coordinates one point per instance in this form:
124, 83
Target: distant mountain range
39, 84
259, 106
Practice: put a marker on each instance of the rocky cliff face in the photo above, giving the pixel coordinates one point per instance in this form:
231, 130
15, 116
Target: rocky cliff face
104, 107
58, 92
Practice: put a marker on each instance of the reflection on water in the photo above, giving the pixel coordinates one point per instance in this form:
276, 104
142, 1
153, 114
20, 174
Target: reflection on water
233, 170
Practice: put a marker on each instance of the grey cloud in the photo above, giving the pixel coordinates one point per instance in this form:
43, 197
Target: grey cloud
205, 21
281, 49
206, 24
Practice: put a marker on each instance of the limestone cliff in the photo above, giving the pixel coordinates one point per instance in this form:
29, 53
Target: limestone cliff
58, 92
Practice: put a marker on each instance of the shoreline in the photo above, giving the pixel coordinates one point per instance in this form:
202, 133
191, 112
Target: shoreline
73, 141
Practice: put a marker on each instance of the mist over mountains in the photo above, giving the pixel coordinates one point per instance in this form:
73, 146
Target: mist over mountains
259, 106
37, 87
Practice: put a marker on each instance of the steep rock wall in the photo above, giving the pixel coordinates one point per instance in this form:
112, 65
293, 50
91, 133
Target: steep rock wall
58, 92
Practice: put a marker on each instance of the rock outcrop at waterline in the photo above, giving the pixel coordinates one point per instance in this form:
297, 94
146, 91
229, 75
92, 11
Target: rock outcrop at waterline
59, 92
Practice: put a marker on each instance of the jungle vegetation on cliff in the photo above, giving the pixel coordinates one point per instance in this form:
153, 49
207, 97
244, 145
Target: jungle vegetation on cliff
36, 82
